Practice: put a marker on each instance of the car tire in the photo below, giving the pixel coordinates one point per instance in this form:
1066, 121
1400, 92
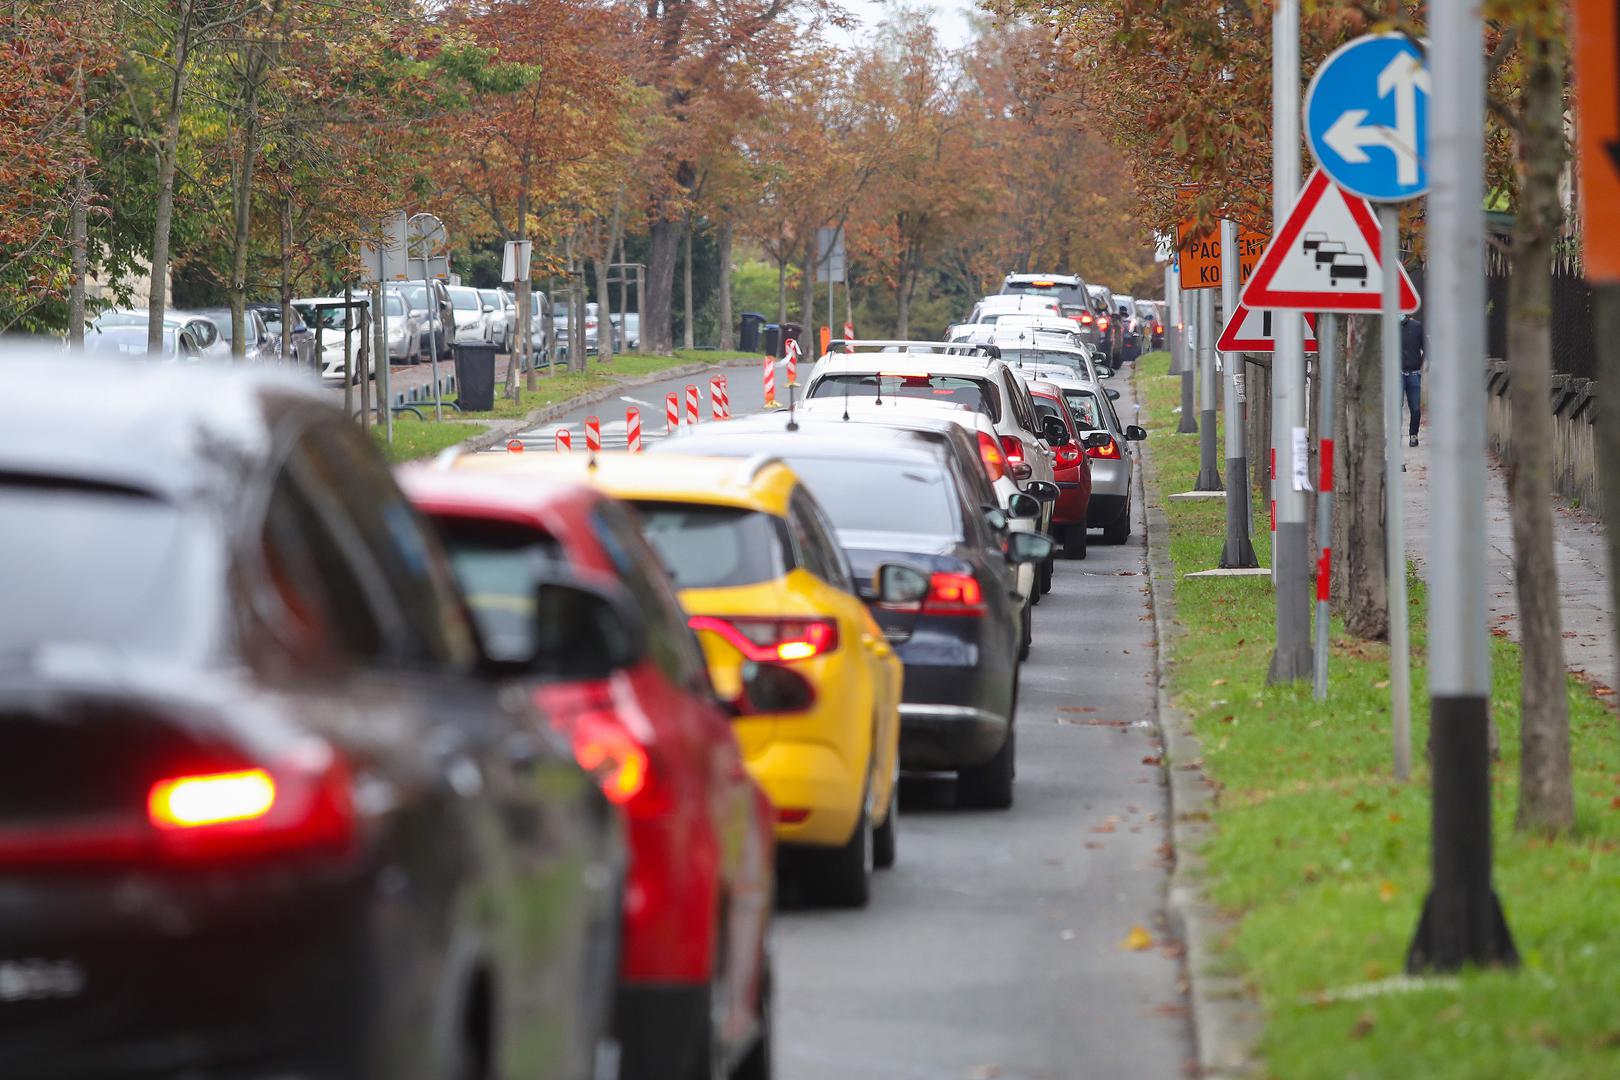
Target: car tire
1026, 632
1046, 576
1074, 541
1119, 530
842, 877
757, 1063
883, 837
990, 786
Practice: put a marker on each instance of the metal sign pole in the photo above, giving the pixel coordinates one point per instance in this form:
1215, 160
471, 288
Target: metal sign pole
1291, 557
1239, 550
1172, 316
1190, 344
1400, 653
1462, 922
1209, 475
1327, 347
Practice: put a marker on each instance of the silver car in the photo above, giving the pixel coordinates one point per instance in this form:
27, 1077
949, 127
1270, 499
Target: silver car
1111, 458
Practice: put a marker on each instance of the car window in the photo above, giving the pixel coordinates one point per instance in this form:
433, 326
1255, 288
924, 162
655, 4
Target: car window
713, 547
976, 393
498, 565
671, 644
465, 300
908, 497
1023, 411
814, 542
105, 567
409, 566
1084, 406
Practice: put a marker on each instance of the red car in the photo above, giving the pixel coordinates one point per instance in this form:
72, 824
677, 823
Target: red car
695, 980
1071, 471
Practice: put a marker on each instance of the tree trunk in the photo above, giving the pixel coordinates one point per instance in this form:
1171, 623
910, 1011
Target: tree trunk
687, 340
163, 213
79, 254
604, 309
781, 286
242, 215
807, 287
658, 318
1257, 392
1366, 573
1546, 797
902, 302
728, 337
578, 358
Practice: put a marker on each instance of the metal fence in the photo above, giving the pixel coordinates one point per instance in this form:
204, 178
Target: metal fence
1573, 351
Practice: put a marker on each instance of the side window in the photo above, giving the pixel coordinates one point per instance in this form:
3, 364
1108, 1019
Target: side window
814, 542
670, 641
408, 566
1023, 413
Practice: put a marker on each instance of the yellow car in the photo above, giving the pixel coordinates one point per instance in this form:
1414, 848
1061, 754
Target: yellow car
768, 589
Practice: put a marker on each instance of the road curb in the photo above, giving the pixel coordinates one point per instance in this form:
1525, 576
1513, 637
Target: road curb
501, 430
1226, 1019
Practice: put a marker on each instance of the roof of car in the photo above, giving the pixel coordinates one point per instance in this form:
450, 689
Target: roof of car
1016, 302
180, 432
755, 484
908, 363
901, 432
1056, 279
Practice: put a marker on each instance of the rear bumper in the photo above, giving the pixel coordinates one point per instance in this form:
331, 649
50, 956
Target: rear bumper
949, 736
1105, 509
1071, 504
813, 777
659, 1029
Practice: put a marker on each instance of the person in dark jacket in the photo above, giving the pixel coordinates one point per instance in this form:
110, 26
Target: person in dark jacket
1413, 356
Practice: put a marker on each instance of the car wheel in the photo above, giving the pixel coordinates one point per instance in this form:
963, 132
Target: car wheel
757, 1064
1119, 529
843, 876
990, 786
1046, 576
1026, 633
883, 837
1074, 541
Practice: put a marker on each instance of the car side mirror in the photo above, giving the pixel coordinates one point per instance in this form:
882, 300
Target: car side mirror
1106, 372
488, 310
896, 585
1045, 492
1096, 439
1054, 431
997, 518
581, 631
1135, 432
770, 688
1113, 395
1022, 507
1028, 547
1021, 470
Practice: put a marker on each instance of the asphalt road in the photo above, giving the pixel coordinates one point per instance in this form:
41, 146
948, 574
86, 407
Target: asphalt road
996, 945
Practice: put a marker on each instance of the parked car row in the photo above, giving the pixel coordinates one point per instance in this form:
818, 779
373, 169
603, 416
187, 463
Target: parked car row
1118, 328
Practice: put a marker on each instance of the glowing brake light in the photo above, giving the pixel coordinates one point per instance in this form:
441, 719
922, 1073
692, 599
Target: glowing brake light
1108, 450
995, 462
763, 640
1085, 320
1013, 447
1069, 456
953, 594
1041, 284
1158, 328
189, 802
608, 753
1102, 322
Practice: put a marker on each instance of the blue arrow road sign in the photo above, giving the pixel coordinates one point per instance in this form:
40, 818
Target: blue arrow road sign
1367, 117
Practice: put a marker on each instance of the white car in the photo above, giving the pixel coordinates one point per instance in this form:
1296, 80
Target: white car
500, 318
123, 333
991, 308
468, 309
333, 327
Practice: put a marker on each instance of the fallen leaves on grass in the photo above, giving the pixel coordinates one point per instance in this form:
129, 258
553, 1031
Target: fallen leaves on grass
1137, 940
1364, 1025
1386, 891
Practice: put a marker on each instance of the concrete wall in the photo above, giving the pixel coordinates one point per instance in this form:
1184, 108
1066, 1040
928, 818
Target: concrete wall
1573, 402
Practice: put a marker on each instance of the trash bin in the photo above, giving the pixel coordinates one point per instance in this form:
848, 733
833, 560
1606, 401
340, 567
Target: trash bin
475, 376
796, 332
748, 338
771, 340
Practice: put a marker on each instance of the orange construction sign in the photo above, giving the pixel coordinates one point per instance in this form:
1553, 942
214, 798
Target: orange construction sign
1201, 258
1597, 133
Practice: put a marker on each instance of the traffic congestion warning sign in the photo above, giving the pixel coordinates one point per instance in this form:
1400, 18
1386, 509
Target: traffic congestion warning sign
1596, 37
1250, 330
1325, 257
1200, 262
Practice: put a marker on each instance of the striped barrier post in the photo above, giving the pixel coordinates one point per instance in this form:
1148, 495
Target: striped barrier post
717, 401
770, 382
672, 413
593, 434
725, 396
694, 404
632, 430
565, 441
793, 362
514, 446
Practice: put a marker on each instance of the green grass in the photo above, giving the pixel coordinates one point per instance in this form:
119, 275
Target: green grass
597, 376
415, 438
1324, 858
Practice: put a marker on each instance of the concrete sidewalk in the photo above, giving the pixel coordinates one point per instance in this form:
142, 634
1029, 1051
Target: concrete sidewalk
1583, 585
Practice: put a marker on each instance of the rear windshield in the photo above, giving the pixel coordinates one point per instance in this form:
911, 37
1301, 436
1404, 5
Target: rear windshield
976, 393
1067, 295
1084, 406
105, 568
1072, 361
713, 547
910, 497
499, 566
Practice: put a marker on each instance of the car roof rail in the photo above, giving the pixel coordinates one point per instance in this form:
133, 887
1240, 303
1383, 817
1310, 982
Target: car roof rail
949, 348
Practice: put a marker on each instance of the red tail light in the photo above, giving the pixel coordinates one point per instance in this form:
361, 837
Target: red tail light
1069, 456
1085, 320
766, 640
1102, 322
953, 594
1108, 450
1013, 447
620, 765
1158, 328
191, 802
995, 462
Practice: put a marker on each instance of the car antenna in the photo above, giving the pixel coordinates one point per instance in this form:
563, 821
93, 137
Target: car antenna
846, 401
792, 424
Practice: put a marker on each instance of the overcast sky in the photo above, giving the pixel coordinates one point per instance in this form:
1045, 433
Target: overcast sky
949, 18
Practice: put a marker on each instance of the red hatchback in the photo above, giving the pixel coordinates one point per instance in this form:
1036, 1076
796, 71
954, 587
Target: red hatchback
695, 993
1071, 470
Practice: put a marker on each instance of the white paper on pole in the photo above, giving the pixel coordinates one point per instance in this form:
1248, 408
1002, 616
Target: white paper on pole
1302, 460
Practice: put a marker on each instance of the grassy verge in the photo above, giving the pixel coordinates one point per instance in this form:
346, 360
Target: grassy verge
415, 438
1324, 858
569, 384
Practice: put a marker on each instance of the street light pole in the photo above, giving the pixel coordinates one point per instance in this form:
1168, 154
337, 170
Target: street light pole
1239, 551
1462, 920
1290, 558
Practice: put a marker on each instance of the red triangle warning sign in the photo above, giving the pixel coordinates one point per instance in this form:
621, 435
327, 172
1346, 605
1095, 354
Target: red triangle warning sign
1325, 257
1249, 330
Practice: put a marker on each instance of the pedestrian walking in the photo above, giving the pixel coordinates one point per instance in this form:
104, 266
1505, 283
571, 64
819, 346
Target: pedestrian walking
1413, 357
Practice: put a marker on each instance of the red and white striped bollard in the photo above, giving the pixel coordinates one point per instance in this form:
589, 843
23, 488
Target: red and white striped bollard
593, 434
770, 382
694, 404
672, 413
717, 407
565, 441
632, 430
514, 446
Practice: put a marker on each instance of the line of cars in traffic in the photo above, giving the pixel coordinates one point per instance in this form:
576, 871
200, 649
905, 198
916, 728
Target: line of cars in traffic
495, 765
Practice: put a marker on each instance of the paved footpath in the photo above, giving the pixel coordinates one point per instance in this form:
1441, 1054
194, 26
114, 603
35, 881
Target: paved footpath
1583, 583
